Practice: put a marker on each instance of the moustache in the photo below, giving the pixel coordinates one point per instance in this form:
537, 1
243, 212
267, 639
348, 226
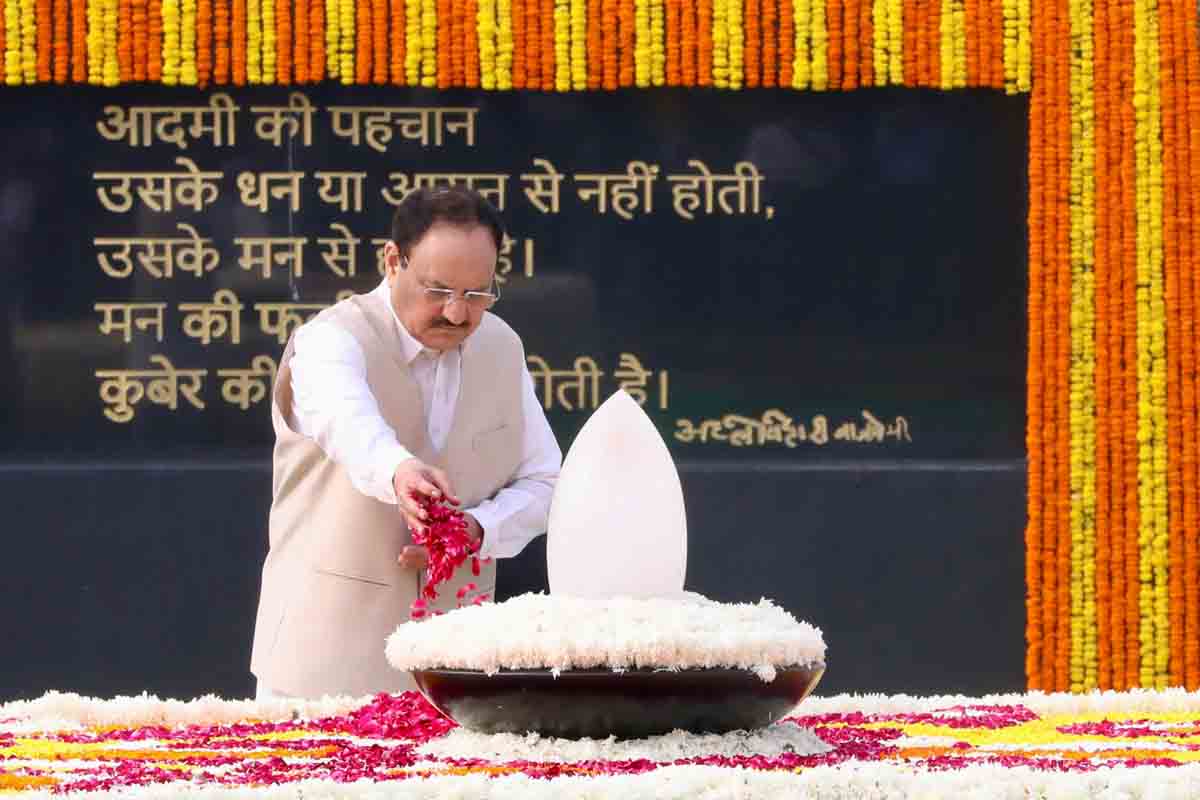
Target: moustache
445, 323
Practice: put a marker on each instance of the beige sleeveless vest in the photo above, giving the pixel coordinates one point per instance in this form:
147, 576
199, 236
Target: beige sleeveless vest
332, 590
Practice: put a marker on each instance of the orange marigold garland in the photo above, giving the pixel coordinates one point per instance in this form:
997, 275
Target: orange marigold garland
283, 42
1062, 111
44, 47
138, 22
300, 40
787, 42
1037, 617
444, 56
362, 58
61, 42
1185, 25
689, 44
237, 42
752, 46
866, 44
471, 44
520, 69
154, 41
533, 41
625, 42
1170, 143
397, 38
546, 37
1104, 674
221, 44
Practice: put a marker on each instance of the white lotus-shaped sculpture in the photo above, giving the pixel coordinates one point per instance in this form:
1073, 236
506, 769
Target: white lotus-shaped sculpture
617, 522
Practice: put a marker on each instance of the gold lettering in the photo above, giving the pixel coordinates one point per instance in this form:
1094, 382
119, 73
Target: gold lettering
223, 123
124, 317
296, 116
265, 252
341, 128
120, 190
122, 389
135, 122
246, 387
632, 376
347, 195
259, 188
745, 177
159, 256
543, 191
685, 430
208, 321
621, 191
144, 125
685, 192
342, 253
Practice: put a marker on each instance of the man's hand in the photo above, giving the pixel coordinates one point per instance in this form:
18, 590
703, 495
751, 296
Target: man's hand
414, 479
414, 556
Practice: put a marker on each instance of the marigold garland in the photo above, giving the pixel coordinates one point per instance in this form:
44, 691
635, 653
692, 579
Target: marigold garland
548, 62
626, 36
204, 34
445, 55
42, 49
283, 42
819, 69
787, 42
29, 39
268, 58
562, 44
300, 41
658, 57
221, 41
486, 22
594, 44
802, 60
333, 37
188, 75
62, 36
348, 32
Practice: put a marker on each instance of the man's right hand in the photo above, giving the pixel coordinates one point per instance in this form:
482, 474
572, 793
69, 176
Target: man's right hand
415, 477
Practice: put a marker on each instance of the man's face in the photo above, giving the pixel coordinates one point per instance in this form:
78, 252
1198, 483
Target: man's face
447, 257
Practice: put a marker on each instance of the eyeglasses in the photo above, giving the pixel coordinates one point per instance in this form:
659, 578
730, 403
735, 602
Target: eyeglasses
480, 301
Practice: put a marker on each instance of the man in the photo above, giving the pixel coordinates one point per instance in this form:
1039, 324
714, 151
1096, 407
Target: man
411, 389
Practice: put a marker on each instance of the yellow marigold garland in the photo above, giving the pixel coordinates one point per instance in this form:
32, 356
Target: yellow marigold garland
348, 32
736, 33
269, 40
487, 41
802, 53
29, 40
170, 45
881, 40
188, 74
254, 39
562, 45
720, 43
819, 70
412, 43
12, 42
333, 37
579, 44
504, 44
895, 12
658, 53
